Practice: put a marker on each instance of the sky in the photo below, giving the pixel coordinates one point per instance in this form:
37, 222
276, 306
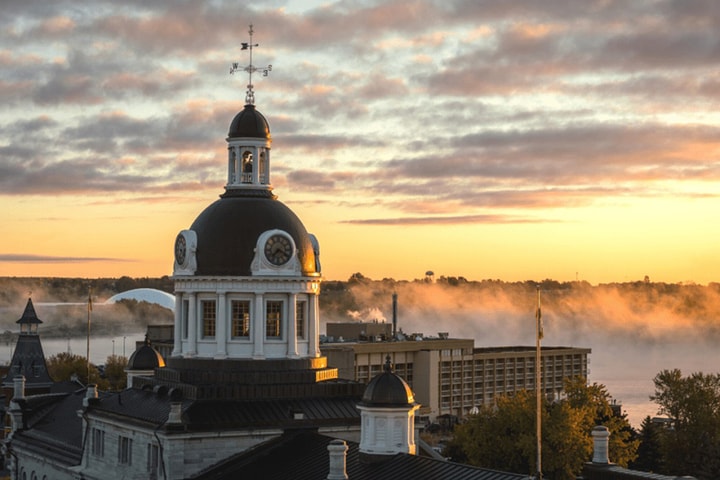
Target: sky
517, 140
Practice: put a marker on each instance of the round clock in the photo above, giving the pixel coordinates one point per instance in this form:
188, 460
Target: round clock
278, 249
180, 249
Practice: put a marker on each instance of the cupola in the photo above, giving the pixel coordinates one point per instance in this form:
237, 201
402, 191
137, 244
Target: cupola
387, 411
143, 362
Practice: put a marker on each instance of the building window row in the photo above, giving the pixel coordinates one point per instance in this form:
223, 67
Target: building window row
240, 315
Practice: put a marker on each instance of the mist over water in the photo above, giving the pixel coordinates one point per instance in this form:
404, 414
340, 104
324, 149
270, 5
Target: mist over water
635, 330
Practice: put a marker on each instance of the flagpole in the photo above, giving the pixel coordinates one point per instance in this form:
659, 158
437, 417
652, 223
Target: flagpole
87, 358
538, 385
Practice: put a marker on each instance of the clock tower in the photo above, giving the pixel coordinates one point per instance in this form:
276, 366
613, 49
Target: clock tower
247, 272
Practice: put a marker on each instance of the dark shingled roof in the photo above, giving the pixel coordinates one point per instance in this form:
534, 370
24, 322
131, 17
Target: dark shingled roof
53, 428
28, 358
148, 406
594, 471
304, 456
29, 316
388, 390
228, 230
249, 123
145, 358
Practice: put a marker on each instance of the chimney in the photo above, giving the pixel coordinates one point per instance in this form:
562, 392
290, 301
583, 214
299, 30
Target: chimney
338, 450
90, 394
600, 437
18, 387
15, 410
394, 315
175, 415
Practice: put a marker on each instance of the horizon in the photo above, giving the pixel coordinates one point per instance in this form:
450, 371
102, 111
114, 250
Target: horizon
495, 141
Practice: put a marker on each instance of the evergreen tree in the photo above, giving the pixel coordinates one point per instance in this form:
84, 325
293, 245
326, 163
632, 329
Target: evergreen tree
649, 451
692, 445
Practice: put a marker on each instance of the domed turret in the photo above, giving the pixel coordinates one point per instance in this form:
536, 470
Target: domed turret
143, 362
145, 358
388, 390
387, 409
247, 272
249, 123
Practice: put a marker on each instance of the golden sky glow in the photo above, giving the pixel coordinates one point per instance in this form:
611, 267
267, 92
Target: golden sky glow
504, 140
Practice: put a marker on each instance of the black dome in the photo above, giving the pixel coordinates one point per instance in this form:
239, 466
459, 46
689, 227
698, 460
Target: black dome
227, 233
249, 123
145, 358
388, 390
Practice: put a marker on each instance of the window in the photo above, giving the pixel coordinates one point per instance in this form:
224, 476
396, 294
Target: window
98, 442
208, 318
240, 318
273, 319
300, 319
153, 458
125, 450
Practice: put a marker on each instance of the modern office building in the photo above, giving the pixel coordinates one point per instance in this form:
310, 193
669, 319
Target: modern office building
450, 376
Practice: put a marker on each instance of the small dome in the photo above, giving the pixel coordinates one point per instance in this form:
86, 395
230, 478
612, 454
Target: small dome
388, 390
249, 123
145, 358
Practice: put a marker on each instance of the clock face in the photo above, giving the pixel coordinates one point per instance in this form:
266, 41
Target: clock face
180, 249
278, 249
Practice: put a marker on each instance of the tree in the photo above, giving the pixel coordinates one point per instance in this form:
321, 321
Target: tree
502, 436
115, 373
649, 457
63, 366
692, 445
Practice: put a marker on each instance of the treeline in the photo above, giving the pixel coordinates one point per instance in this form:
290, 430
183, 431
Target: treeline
70, 290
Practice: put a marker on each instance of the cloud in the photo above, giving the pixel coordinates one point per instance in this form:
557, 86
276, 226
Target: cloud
477, 106
28, 258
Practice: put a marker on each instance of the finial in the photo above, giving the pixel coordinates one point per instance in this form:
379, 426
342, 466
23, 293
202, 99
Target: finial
388, 364
250, 68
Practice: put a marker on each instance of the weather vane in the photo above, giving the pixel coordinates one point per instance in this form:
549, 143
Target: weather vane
250, 68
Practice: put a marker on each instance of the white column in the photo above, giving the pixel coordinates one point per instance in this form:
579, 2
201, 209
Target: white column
256, 166
313, 326
192, 325
221, 326
177, 334
292, 350
238, 165
231, 168
258, 327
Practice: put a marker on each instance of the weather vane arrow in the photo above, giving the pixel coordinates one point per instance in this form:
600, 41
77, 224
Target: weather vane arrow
250, 68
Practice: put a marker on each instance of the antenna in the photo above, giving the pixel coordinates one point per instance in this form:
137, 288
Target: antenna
250, 68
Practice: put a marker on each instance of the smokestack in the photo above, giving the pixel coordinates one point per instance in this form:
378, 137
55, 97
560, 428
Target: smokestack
338, 460
394, 313
600, 437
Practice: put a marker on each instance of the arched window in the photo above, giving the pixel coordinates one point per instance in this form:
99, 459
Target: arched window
247, 166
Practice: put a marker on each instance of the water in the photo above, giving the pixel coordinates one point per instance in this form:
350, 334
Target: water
101, 347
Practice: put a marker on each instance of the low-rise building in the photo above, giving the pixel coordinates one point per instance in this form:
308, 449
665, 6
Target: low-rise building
450, 376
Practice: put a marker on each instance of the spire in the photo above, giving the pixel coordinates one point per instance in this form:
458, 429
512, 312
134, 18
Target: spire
29, 320
250, 68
